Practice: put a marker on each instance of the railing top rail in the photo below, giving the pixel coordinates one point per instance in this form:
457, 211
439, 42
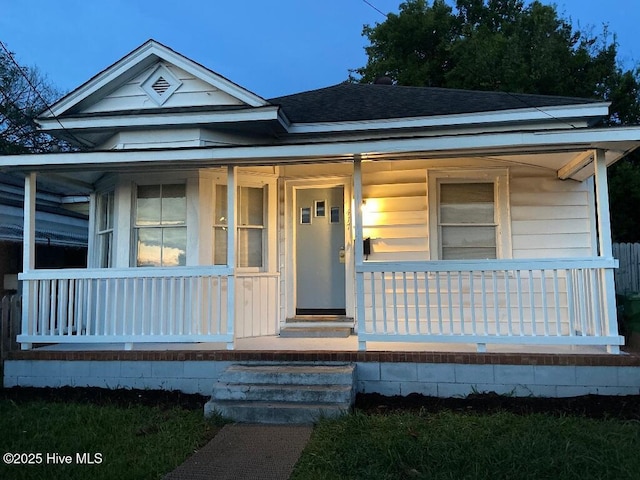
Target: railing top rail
489, 265
133, 272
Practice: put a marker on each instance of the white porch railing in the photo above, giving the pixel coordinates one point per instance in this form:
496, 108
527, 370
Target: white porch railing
503, 301
182, 304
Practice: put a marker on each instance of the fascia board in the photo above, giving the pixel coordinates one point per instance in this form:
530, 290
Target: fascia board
556, 114
433, 146
162, 119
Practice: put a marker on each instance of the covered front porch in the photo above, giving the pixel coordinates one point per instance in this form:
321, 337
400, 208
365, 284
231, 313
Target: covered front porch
411, 299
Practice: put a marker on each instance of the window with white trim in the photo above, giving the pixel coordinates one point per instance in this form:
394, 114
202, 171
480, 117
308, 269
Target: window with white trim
160, 225
104, 229
252, 205
468, 216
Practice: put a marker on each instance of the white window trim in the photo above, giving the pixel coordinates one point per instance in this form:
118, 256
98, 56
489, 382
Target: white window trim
499, 177
269, 238
133, 261
101, 234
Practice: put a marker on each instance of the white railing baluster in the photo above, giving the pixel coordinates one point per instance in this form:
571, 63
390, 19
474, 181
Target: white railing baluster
406, 302
439, 303
545, 311
556, 301
53, 296
416, 300
427, 292
485, 317
571, 302
532, 303
472, 304
507, 294
384, 302
520, 301
89, 306
496, 302
461, 302
450, 302
394, 298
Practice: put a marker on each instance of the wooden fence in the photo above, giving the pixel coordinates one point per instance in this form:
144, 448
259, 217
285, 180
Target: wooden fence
627, 276
10, 317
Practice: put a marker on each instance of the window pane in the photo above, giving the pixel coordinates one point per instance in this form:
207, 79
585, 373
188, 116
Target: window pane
468, 242
250, 247
105, 250
106, 211
149, 243
174, 248
220, 246
221, 206
250, 206
466, 203
174, 204
148, 205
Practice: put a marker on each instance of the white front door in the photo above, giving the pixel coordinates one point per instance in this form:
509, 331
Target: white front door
320, 251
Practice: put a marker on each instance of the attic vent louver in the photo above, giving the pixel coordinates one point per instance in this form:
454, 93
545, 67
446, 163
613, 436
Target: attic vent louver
160, 84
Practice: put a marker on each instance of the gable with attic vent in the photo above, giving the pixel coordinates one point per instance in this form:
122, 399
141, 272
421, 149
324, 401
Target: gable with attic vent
162, 85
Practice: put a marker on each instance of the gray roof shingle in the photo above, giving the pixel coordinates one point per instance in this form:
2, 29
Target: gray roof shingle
358, 102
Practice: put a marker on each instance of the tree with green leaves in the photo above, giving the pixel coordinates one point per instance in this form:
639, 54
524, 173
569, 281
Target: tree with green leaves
24, 93
514, 46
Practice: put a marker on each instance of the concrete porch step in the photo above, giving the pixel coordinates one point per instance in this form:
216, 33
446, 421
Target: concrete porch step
275, 412
316, 332
283, 393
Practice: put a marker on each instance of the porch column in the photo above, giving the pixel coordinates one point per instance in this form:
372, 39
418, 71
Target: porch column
231, 253
28, 249
358, 250
605, 249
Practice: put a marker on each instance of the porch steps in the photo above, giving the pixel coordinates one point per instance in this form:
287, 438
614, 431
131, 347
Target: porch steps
315, 326
283, 393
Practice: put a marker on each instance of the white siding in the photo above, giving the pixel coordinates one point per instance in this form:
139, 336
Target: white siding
395, 212
549, 217
192, 92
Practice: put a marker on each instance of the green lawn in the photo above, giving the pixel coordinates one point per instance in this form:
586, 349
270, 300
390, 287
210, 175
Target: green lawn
457, 446
133, 442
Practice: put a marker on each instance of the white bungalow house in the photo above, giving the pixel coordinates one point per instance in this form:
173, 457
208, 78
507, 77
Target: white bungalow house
409, 214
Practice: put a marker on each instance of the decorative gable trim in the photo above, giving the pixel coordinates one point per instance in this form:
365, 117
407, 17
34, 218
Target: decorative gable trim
160, 84
134, 64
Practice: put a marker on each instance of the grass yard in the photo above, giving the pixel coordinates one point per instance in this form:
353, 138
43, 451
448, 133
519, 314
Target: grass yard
457, 446
133, 441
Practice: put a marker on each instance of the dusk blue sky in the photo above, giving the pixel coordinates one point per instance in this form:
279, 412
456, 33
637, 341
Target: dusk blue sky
272, 47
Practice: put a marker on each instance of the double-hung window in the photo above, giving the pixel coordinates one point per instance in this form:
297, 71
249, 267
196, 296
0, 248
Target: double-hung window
104, 229
467, 215
251, 209
160, 225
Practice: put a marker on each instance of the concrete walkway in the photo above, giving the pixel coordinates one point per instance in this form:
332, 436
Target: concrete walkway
247, 452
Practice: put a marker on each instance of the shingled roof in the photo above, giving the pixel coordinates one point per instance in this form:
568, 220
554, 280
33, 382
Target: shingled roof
358, 102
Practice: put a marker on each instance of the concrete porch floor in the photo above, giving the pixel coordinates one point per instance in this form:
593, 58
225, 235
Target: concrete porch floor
349, 344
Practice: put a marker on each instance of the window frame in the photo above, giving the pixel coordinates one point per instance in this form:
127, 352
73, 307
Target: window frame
499, 177
101, 234
135, 227
269, 190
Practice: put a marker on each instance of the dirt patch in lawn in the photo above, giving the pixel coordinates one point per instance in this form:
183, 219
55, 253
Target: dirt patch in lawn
591, 406
102, 396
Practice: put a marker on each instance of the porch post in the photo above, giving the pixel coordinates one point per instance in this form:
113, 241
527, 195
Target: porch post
231, 253
358, 248
28, 249
605, 248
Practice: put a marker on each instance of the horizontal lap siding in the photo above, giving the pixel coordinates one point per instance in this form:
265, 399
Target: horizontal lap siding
549, 217
395, 215
192, 92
